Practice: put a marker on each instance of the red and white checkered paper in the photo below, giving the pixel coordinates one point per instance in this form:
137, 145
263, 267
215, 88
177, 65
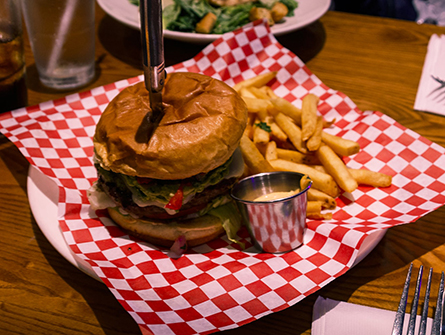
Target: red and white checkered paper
216, 286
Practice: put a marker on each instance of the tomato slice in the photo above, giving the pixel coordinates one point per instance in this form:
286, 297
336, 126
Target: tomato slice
175, 202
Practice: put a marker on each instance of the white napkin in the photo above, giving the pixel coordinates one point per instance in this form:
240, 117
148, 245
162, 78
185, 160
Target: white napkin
428, 97
331, 317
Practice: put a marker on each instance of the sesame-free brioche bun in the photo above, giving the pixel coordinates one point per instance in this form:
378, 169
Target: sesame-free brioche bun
203, 123
196, 231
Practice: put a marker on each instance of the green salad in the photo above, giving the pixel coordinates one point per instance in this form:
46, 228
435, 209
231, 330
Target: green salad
213, 17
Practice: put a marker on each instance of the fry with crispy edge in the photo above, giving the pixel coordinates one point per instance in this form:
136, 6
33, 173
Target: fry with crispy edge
297, 157
314, 142
257, 81
309, 115
292, 131
371, 178
320, 180
328, 202
253, 158
281, 105
336, 168
341, 146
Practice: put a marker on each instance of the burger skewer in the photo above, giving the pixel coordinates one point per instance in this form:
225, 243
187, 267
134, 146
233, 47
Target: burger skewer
153, 59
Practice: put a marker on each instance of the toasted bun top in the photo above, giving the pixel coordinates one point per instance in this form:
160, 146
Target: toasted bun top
203, 123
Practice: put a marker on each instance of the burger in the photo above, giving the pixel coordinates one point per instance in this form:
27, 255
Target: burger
175, 184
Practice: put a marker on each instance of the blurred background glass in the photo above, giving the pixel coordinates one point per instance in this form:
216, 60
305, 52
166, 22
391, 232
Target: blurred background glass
13, 93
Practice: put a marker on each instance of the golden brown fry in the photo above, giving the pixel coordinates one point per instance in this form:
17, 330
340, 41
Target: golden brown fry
314, 206
255, 105
281, 105
246, 93
297, 157
309, 115
371, 178
258, 93
260, 136
314, 141
328, 202
319, 216
320, 180
336, 168
327, 124
271, 151
341, 146
257, 81
292, 131
277, 132
253, 158
270, 93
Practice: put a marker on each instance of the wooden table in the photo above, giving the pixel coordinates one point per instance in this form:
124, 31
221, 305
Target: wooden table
376, 62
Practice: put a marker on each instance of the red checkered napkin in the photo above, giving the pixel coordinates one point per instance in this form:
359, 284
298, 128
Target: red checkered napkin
216, 286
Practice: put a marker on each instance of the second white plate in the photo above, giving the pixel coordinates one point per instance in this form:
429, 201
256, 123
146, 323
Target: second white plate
307, 12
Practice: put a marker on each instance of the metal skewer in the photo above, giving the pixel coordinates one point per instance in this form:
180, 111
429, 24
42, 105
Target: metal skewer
153, 58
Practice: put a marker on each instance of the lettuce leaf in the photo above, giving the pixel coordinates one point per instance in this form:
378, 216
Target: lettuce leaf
231, 220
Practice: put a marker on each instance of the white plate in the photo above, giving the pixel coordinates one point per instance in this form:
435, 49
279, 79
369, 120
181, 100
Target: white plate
307, 12
43, 197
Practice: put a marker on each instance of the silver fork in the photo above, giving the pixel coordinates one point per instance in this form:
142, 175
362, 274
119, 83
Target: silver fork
400, 315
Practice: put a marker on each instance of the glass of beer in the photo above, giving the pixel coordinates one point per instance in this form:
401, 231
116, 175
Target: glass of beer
62, 38
13, 92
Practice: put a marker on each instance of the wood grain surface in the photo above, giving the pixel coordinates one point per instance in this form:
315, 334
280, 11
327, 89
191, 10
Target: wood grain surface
377, 62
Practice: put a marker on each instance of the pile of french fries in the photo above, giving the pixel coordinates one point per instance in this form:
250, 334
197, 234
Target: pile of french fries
281, 137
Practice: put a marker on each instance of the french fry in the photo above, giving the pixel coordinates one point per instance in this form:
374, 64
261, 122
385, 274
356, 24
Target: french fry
292, 131
328, 202
314, 141
336, 168
254, 105
271, 151
281, 105
260, 136
308, 115
270, 93
319, 216
277, 132
246, 93
371, 178
257, 81
297, 157
258, 93
320, 180
253, 158
314, 206
341, 146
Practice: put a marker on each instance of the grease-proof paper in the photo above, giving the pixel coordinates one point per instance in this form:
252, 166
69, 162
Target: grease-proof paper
216, 286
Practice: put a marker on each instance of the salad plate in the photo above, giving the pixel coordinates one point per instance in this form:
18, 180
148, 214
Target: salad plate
127, 13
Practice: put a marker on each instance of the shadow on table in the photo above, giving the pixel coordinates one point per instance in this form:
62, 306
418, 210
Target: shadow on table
124, 43
112, 317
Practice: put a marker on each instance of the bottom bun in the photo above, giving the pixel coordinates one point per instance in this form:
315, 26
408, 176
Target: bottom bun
196, 231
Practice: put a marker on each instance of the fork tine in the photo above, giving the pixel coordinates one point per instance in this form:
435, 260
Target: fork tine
415, 304
423, 318
438, 315
400, 315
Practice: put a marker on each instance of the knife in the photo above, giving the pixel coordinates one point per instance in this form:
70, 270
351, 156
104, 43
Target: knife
153, 59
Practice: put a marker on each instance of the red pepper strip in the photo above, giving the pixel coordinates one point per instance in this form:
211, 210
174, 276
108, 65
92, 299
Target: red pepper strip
175, 202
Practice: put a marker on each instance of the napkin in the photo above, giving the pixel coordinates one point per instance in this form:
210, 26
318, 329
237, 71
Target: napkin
341, 318
431, 92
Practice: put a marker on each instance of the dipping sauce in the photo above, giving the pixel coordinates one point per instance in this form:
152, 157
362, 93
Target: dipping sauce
276, 196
